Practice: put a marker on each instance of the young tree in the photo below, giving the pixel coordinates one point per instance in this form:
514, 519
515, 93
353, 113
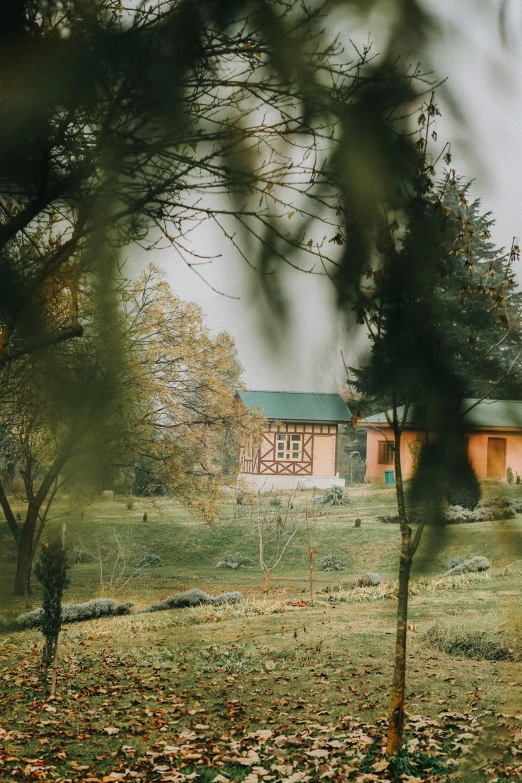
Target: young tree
51, 572
435, 339
276, 525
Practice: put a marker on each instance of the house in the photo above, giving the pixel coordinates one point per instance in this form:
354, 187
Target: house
494, 434
299, 445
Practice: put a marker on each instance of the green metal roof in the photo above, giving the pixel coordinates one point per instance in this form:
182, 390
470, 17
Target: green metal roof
487, 413
297, 406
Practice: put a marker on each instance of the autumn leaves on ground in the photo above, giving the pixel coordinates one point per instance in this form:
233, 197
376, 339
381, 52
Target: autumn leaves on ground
270, 688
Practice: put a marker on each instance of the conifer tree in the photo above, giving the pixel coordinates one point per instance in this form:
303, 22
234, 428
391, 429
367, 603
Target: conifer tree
442, 312
51, 572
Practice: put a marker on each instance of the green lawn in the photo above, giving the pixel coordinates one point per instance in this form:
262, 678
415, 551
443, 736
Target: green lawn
203, 681
189, 548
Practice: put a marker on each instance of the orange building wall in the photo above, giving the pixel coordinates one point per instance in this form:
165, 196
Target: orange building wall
374, 470
477, 450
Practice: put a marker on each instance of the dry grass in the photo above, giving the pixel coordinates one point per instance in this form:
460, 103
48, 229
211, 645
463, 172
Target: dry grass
388, 590
479, 636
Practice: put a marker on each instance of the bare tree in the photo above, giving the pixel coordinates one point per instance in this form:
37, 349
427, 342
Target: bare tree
276, 525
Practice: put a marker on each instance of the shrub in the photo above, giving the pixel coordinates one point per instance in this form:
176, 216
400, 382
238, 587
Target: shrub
369, 579
331, 563
455, 562
192, 597
458, 515
475, 637
335, 496
234, 561
509, 476
492, 509
389, 519
472, 566
148, 560
465, 488
75, 613
502, 512
357, 522
80, 556
276, 501
240, 497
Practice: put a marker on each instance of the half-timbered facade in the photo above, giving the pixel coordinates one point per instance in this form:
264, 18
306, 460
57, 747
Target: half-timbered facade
299, 445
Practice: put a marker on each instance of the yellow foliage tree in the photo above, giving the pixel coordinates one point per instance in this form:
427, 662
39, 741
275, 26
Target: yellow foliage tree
161, 404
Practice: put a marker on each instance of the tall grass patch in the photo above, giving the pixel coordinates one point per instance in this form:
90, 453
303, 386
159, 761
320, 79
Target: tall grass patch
480, 636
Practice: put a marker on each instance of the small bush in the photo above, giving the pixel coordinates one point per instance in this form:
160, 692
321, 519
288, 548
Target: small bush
509, 476
493, 509
476, 637
276, 501
148, 560
458, 515
357, 522
502, 512
335, 496
194, 597
389, 519
235, 561
75, 613
331, 563
240, 497
472, 566
465, 488
369, 579
80, 556
455, 562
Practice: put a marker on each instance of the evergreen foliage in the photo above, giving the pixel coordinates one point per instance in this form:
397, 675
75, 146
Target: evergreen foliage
464, 489
194, 597
76, 613
335, 496
51, 572
471, 566
331, 563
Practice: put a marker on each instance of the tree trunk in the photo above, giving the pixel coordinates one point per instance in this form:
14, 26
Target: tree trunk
396, 716
55, 668
24, 566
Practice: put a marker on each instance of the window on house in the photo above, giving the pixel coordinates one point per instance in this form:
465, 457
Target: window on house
288, 447
385, 456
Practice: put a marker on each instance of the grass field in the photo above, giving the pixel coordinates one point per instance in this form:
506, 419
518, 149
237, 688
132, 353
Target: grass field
207, 682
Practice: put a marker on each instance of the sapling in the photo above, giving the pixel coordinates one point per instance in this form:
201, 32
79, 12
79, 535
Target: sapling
51, 572
276, 529
310, 526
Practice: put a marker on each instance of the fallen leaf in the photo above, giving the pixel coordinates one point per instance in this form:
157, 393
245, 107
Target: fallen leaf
319, 753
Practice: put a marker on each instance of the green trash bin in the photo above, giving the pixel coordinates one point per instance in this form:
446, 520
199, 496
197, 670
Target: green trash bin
388, 477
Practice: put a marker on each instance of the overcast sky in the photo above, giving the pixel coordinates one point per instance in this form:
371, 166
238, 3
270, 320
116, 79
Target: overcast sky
485, 80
